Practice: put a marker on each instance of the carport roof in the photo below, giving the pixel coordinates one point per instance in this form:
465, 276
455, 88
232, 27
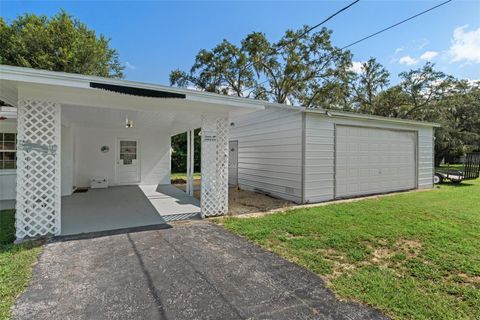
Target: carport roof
11, 78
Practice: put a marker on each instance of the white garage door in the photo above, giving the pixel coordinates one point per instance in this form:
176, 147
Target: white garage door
371, 160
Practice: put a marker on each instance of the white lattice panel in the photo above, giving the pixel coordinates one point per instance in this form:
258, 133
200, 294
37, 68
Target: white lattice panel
38, 172
214, 195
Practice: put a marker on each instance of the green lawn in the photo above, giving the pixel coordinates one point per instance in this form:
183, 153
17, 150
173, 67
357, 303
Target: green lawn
413, 255
183, 176
16, 263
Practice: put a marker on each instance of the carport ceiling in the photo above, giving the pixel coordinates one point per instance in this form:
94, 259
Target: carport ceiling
92, 117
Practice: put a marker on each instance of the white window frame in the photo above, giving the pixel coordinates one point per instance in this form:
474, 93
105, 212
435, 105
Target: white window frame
8, 170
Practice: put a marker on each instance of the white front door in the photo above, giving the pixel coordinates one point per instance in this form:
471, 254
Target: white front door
127, 162
233, 163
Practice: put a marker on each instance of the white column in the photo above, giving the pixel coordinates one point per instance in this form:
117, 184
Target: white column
187, 185
38, 205
192, 161
214, 195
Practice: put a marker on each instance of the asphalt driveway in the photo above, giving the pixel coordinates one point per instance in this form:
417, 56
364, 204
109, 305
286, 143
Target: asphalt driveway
195, 270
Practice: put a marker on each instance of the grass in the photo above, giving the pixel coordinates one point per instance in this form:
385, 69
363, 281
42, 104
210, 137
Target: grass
456, 166
183, 176
16, 263
413, 255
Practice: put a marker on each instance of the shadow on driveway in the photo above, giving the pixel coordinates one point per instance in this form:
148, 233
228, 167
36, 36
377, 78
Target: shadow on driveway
195, 270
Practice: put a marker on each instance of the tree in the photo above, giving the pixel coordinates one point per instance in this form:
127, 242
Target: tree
424, 87
300, 68
179, 152
459, 115
225, 69
59, 43
366, 85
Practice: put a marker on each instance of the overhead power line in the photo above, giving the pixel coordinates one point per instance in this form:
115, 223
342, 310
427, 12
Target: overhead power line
396, 24
382, 30
323, 22
307, 31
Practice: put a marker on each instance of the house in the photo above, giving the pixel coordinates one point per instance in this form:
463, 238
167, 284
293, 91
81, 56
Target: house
69, 132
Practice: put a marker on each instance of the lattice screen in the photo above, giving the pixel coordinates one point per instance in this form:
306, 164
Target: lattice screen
214, 196
38, 169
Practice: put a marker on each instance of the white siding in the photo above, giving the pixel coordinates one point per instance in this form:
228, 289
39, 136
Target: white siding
425, 158
269, 152
90, 162
319, 153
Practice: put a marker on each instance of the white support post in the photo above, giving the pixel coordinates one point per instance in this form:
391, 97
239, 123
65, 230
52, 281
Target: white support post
192, 161
214, 195
38, 202
187, 185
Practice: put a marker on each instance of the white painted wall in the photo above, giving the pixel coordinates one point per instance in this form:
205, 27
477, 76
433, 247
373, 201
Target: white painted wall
154, 153
8, 178
67, 169
319, 153
269, 152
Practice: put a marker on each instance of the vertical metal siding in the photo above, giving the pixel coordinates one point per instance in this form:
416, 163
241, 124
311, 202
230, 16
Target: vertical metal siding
320, 149
270, 152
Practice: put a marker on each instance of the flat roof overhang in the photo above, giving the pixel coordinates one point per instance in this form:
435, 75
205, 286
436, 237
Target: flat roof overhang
175, 108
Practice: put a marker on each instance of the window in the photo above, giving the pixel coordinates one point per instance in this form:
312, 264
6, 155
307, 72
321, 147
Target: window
8, 150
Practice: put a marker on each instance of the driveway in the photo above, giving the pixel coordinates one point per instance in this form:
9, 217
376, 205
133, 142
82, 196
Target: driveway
195, 270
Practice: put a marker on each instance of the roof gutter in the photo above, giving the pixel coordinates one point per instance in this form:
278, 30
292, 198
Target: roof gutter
343, 114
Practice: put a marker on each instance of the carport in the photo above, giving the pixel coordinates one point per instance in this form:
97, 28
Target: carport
123, 207
74, 128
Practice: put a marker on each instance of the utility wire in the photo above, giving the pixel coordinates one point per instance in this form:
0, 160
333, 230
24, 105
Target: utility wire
321, 23
396, 24
307, 31
384, 29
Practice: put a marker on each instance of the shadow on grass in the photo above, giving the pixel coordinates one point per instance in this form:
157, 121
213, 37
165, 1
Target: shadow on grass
7, 227
7, 234
456, 185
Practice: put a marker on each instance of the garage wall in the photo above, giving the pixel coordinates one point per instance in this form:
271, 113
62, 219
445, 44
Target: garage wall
269, 152
426, 152
319, 153
90, 162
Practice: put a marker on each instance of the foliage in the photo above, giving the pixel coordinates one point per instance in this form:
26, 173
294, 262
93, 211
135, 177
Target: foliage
179, 152
300, 67
16, 263
367, 85
413, 255
59, 43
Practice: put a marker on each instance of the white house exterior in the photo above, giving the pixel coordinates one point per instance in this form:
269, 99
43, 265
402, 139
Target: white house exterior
73, 128
309, 156
65, 122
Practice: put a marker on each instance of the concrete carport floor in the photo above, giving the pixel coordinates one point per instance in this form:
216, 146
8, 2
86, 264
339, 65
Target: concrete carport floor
126, 206
195, 270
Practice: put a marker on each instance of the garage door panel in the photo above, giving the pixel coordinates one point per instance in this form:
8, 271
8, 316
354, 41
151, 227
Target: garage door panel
372, 160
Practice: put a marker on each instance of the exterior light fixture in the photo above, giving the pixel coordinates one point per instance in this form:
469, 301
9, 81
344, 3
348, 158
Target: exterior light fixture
128, 123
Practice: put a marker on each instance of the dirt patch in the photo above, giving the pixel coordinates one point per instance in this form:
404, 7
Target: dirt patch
242, 201
382, 255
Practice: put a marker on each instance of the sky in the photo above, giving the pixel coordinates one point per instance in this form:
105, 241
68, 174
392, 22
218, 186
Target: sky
155, 37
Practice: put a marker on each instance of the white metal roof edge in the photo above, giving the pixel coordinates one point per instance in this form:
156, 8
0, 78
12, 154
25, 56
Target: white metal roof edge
6, 73
345, 114
68, 78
